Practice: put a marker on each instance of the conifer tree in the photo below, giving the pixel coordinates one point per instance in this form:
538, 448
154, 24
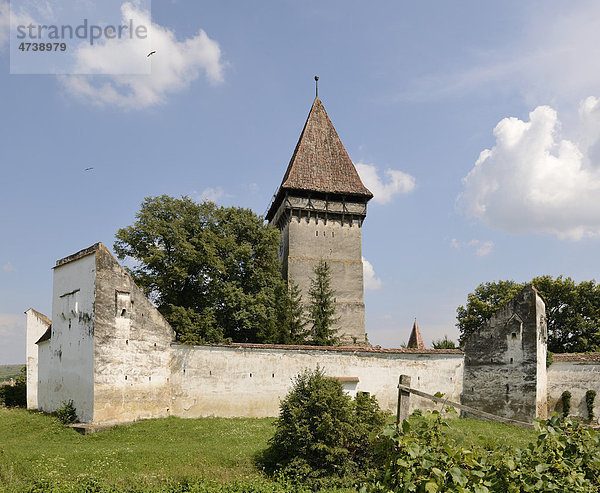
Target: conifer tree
296, 321
322, 307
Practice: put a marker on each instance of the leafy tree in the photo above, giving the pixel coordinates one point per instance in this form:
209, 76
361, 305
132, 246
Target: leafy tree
322, 307
572, 310
212, 271
444, 343
321, 433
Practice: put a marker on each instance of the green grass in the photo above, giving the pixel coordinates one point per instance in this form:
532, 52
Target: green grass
150, 454
486, 434
9, 371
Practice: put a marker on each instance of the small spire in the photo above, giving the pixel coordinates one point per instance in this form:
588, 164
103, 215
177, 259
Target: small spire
316, 86
415, 340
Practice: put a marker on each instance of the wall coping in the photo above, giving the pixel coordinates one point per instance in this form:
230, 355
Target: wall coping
339, 349
575, 357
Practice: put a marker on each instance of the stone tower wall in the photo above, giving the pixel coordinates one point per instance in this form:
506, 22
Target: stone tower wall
312, 231
505, 361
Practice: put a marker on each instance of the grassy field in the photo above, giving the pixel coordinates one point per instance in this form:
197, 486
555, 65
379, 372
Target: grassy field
150, 454
9, 371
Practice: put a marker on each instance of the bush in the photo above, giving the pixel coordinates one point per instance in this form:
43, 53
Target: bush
15, 395
421, 458
67, 413
566, 403
322, 436
590, 395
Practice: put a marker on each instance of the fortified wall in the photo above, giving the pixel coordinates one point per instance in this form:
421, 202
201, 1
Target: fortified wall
111, 352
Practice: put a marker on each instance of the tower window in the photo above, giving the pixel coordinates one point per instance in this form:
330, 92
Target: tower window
316, 233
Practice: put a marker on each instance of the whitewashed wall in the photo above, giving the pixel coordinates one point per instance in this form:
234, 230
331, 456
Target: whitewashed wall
575, 374
67, 370
37, 325
250, 381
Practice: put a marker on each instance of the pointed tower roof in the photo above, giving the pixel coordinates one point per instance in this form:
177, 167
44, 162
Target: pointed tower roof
415, 340
320, 162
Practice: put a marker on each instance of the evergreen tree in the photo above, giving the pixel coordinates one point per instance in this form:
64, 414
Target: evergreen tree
322, 307
296, 322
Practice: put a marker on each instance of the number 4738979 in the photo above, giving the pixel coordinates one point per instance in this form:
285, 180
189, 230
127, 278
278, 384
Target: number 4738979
43, 46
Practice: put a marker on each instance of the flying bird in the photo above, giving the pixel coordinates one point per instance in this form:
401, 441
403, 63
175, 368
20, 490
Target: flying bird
88, 169
151, 53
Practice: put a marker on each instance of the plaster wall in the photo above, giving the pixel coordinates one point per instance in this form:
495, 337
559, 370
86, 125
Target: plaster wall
241, 381
69, 363
36, 327
577, 377
132, 354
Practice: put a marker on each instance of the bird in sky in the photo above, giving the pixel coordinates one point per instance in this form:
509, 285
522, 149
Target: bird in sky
151, 53
88, 169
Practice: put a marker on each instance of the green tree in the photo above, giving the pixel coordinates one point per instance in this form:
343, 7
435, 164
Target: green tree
321, 433
572, 310
292, 317
212, 271
444, 343
322, 307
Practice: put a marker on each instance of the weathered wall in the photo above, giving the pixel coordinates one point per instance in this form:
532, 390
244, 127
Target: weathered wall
576, 373
37, 324
68, 365
250, 380
132, 353
308, 239
505, 361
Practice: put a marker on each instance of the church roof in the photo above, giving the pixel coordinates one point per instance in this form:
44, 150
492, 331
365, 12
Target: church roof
320, 162
415, 340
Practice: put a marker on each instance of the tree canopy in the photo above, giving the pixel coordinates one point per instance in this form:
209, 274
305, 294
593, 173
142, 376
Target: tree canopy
572, 310
212, 271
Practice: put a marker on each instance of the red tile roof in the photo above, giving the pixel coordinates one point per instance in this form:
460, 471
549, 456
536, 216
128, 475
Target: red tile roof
320, 162
341, 349
583, 357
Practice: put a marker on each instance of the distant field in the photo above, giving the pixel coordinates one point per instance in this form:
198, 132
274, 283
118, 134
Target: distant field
211, 454
9, 371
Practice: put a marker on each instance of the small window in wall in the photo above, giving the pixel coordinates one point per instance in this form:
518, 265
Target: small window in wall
123, 304
514, 335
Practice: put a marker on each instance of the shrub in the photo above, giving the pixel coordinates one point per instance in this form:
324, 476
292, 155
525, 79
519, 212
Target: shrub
15, 395
67, 413
566, 402
322, 435
590, 395
421, 458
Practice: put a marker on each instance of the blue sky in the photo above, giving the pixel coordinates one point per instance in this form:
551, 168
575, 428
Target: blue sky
475, 124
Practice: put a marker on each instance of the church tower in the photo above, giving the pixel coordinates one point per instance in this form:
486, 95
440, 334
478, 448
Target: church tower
320, 208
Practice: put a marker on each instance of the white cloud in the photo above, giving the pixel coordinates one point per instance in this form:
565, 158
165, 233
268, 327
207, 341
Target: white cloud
372, 282
8, 267
174, 66
533, 180
482, 248
398, 182
212, 194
